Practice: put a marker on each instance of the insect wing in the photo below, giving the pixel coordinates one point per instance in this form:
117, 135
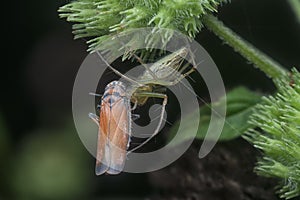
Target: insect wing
118, 134
103, 151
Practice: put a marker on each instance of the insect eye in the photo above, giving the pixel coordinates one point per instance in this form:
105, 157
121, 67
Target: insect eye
98, 107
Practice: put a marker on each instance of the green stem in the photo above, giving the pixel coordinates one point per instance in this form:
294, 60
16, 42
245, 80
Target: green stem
270, 67
295, 4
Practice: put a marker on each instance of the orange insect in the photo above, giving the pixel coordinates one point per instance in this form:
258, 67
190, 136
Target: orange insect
114, 129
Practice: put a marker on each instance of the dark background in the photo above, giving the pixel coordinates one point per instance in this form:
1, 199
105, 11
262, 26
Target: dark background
41, 154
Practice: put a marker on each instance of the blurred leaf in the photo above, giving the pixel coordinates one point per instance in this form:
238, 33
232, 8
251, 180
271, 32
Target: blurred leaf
295, 5
240, 102
51, 165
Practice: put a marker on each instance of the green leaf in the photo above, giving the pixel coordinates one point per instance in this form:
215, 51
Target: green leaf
240, 102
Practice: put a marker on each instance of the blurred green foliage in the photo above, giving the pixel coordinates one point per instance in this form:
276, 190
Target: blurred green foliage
240, 102
51, 165
295, 5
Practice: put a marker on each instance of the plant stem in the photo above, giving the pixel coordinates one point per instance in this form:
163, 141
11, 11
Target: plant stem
295, 4
270, 67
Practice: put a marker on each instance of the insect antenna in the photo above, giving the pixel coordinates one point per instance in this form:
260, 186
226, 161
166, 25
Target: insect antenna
116, 71
95, 94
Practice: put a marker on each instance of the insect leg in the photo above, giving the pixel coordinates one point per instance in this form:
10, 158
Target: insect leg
135, 105
178, 79
135, 116
94, 117
97, 95
157, 95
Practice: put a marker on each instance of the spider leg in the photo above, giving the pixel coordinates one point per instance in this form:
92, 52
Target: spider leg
117, 72
165, 100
